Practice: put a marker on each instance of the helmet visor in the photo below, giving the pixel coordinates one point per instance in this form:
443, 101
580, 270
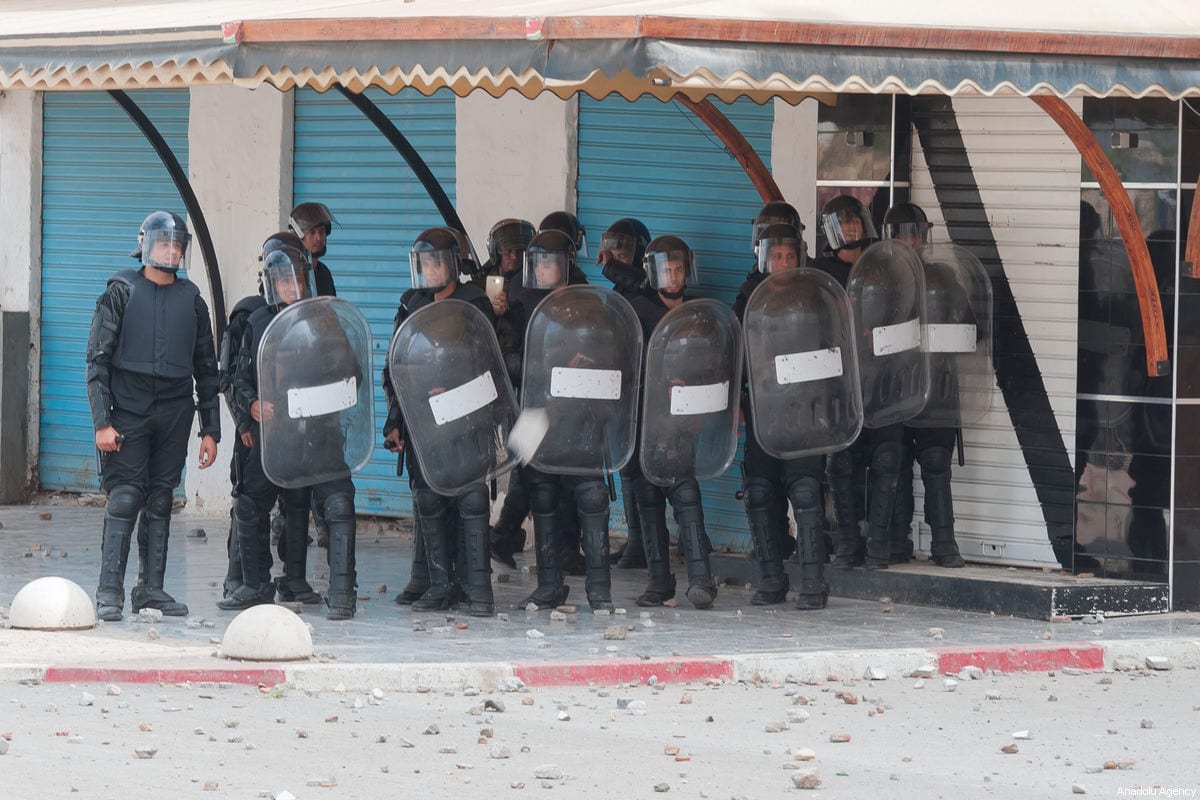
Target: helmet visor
622, 246
777, 255
546, 269
432, 269
913, 233
847, 228
286, 283
670, 270
166, 249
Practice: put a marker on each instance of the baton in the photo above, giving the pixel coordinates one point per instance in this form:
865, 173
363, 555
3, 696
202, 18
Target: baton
958, 441
100, 458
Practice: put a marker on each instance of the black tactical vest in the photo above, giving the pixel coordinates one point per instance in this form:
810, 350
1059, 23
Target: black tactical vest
158, 329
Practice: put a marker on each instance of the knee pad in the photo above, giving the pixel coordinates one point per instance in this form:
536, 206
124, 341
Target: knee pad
934, 460
886, 458
591, 497
805, 494
474, 501
339, 507
158, 503
686, 494
839, 465
244, 508
543, 497
760, 494
124, 501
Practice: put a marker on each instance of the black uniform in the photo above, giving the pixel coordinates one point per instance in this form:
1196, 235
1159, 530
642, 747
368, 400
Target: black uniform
769, 483
686, 503
259, 494
148, 347
439, 518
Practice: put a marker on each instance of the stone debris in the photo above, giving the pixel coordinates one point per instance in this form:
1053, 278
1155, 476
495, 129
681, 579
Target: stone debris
992, 694
1126, 664
950, 684
686, 699
1021, 735
1072, 671
548, 772
839, 738
806, 779
152, 634
1078, 788
563, 716
150, 615
936, 633
3, 746
875, 674
497, 750
327, 782
1147, 723
797, 715
849, 698
493, 705
145, 752
919, 685
927, 671
1009, 748
1158, 662
775, 727
112, 690
614, 632
804, 754
671, 750
283, 795
534, 633
432, 730
662, 787
86, 699
970, 673
558, 616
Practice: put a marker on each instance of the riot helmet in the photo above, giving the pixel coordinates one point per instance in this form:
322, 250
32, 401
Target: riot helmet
908, 223
466, 254
775, 212
278, 240
847, 224
626, 239
163, 241
312, 222
670, 266
509, 236
549, 260
286, 276
569, 224
780, 247
435, 258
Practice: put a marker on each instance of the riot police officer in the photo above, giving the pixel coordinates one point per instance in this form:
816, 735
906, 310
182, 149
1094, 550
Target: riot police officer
769, 480
313, 223
506, 243
231, 343
435, 261
670, 267
296, 453
933, 446
622, 250
150, 343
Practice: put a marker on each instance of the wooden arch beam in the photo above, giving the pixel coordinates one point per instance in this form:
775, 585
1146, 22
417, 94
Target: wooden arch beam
1127, 223
737, 144
1191, 256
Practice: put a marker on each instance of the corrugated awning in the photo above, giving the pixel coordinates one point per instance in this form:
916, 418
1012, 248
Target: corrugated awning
632, 47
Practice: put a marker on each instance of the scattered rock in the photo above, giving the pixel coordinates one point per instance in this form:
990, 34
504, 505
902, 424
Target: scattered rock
534, 633
493, 705
1126, 664
849, 698
145, 752
1021, 735
149, 615
1072, 671
497, 750
662, 787
432, 730
558, 616
775, 727
970, 673
992, 694
806, 779
87, 699
112, 690
875, 674
1158, 662
839, 738
1147, 723
614, 632
950, 684
1078, 788
548, 772
1009, 748
686, 699
936, 633
197, 533
804, 754
797, 715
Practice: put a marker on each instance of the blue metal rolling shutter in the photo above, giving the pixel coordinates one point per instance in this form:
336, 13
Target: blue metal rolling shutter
657, 162
343, 161
100, 178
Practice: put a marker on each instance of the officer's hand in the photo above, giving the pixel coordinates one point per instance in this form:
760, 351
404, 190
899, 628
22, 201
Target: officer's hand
208, 452
108, 440
393, 442
247, 439
256, 411
604, 256
500, 304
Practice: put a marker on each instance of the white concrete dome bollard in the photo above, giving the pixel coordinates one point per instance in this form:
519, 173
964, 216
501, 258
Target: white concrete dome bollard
267, 633
52, 604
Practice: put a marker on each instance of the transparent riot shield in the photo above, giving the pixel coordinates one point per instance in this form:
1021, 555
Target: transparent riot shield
887, 293
803, 370
583, 354
314, 386
957, 336
459, 406
690, 392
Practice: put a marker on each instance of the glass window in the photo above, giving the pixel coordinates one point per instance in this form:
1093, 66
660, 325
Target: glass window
1140, 137
854, 139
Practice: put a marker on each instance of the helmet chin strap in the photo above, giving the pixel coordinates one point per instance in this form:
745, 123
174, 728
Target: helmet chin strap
672, 295
172, 270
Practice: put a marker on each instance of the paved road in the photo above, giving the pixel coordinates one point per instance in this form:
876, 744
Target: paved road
716, 740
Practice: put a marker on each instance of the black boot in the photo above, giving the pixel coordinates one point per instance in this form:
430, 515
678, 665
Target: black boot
233, 575
591, 500
120, 517
693, 541
418, 581
293, 585
810, 539
899, 533
569, 535
939, 507
632, 554
343, 577
848, 545
435, 530
551, 592
151, 594
760, 513
656, 543
473, 511
880, 500
251, 547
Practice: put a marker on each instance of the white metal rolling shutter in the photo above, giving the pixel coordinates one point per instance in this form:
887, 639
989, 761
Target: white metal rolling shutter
343, 161
1027, 173
100, 178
